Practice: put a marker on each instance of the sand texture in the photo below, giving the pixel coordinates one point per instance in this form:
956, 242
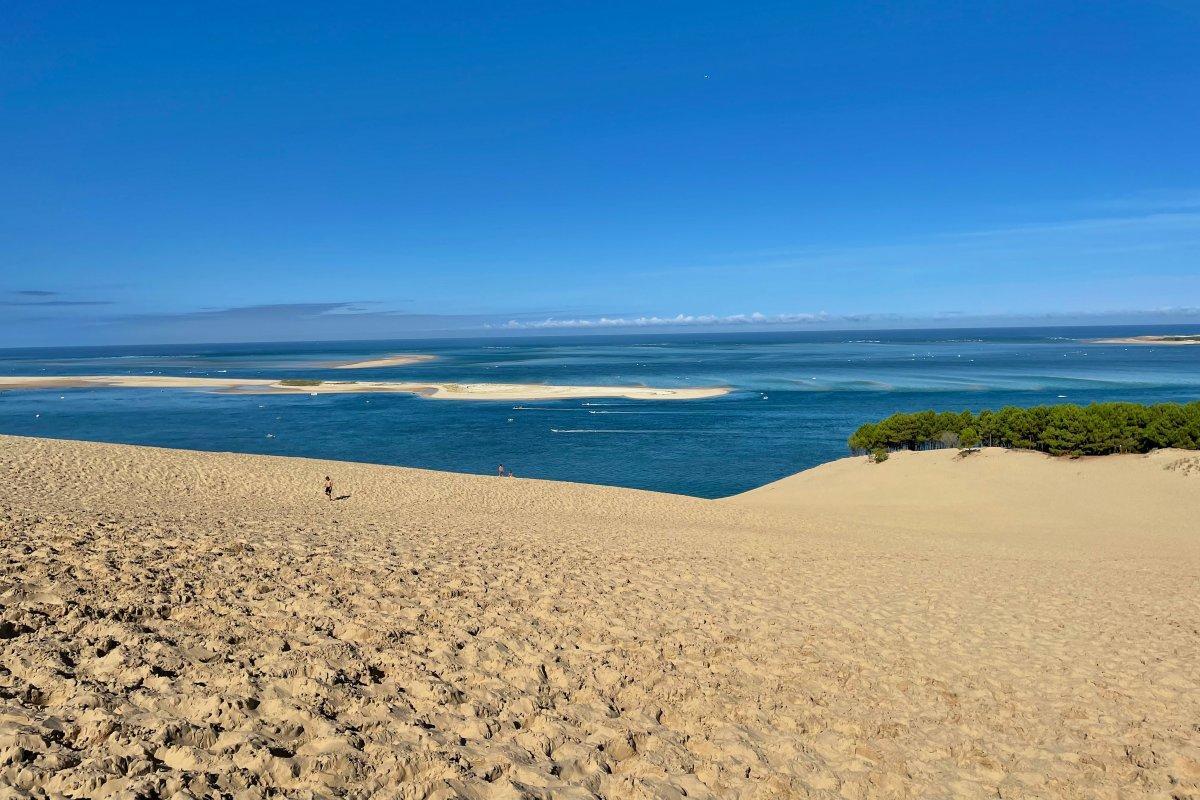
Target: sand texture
178, 624
388, 361
437, 391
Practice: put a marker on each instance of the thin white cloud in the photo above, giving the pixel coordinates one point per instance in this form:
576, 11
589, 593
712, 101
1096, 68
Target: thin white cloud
1166, 221
1163, 222
679, 320
1153, 200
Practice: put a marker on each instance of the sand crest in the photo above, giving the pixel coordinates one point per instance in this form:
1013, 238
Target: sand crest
1005, 625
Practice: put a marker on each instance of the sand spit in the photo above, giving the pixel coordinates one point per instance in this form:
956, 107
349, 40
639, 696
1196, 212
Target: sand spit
196, 624
537, 391
1176, 339
389, 361
437, 391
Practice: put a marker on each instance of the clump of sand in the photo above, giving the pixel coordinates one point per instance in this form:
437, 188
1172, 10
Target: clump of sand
193, 624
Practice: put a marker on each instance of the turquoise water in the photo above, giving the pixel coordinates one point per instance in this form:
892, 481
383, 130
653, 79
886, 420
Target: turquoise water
796, 398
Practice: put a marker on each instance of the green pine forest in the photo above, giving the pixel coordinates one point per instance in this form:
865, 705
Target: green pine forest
1067, 429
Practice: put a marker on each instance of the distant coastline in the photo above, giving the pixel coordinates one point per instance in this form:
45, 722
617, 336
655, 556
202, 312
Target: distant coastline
1171, 339
437, 391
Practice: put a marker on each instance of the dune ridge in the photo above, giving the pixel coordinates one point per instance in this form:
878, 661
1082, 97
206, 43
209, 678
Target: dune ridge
192, 624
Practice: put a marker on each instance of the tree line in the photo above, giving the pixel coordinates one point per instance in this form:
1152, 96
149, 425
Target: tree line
1067, 429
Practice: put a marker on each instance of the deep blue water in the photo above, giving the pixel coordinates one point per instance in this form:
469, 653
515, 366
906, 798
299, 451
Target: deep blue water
797, 397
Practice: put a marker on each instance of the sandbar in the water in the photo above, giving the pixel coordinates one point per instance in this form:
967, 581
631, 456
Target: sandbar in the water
438, 391
1175, 339
389, 361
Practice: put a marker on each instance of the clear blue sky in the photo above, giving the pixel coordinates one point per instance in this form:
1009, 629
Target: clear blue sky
246, 171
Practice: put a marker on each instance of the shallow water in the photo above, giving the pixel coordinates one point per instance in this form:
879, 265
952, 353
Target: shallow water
796, 398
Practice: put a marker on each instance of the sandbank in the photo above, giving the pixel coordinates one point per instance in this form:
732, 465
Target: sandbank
437, 391
389, 361
1177, 339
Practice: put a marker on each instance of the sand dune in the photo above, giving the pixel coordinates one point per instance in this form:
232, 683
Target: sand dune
1001, 626
437, 391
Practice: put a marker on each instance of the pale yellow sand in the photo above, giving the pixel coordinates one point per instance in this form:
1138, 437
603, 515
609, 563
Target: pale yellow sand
389, 361
537, 391
438, 391
1003, 626
1171, 340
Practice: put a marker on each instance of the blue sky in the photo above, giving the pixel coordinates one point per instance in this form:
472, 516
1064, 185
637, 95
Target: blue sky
212, 171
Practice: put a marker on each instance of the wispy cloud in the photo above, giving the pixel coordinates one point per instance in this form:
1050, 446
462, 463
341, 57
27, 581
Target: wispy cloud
312, 321
55, 303
1102, 236
41, 298
1153, 201
1159, 221
260, 312
1058, 267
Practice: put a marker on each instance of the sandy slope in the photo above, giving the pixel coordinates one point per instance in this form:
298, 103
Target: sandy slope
1003, 626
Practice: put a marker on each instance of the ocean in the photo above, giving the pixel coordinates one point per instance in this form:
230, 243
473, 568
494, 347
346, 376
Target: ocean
795, 399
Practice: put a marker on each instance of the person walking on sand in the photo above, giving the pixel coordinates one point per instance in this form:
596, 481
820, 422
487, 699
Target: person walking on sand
328, 488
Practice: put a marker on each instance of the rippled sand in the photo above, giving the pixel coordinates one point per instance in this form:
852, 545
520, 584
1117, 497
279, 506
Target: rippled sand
189, 624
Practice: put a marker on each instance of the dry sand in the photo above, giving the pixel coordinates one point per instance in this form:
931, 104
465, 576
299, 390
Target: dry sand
389, 361
1176, 339
190, 624
437, 391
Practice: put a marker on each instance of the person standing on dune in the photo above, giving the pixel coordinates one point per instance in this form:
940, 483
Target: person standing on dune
328, 488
